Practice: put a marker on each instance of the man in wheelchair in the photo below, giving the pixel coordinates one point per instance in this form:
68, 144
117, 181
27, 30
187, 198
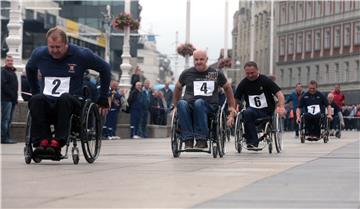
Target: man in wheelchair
312, 104
200, 99
61, 66
258, 92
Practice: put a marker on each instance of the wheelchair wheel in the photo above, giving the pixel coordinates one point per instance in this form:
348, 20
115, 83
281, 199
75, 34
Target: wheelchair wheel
90, 131
221, 133
302, 130
75, 155
214, 149
28, 149
278, 133
175, 140
238, 133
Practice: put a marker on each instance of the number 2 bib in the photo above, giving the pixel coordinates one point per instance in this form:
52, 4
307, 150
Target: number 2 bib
258, 101
203, 88
55, 86
313, 109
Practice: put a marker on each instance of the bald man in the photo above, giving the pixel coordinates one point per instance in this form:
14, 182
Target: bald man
200, 99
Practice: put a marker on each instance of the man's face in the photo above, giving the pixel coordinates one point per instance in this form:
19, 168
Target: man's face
337, 88
57, 47
200, 60
147, 84
9, 62
251, 72
298, 88
312, 88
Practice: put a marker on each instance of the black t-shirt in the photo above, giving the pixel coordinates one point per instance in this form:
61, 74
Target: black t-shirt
313, 103
258, 94
202, 85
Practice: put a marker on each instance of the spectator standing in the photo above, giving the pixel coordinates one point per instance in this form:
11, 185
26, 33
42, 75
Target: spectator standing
115, 98
339, 99
135, 106
295, 99
135, 77
9, 89
168, 95
146, 95
158, 108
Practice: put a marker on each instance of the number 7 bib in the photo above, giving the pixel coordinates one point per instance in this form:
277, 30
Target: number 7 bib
55, 86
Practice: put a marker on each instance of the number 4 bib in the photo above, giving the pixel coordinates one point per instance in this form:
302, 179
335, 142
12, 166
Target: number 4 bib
258, 101
203, 88
55, 86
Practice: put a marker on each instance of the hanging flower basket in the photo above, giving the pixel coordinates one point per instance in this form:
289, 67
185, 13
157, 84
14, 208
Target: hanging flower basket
224, 63
125, 20
185, 49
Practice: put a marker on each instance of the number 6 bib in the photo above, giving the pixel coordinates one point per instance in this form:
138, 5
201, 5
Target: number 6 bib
55, 86
203, 88
258, 101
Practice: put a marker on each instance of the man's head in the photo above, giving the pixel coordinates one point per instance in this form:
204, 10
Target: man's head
167, 83
298, 88
337, 88
137, 70
330, 98
138, 85
251, 70
200, 60
147, 84
57, 43
9, 61
312, 88
114, 84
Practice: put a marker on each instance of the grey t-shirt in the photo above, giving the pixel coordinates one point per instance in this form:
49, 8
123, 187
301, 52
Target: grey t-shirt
203, 85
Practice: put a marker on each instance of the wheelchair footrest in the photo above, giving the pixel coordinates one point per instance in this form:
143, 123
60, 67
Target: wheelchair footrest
49, 157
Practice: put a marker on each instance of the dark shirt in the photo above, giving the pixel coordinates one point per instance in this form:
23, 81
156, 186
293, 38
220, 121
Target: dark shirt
168, 94
115, 98
65, 75
258, 94
202, 85
313, 103
9, 85
135, 100
134, 79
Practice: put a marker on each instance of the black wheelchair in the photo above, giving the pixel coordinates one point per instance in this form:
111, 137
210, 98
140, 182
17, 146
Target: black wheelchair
324, 129
269, 131
216, 140
85, 128
223, 121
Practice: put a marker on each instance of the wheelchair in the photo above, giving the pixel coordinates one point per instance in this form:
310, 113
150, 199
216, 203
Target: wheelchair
269, 131
223, 122
324, 129
85, 128
216, 140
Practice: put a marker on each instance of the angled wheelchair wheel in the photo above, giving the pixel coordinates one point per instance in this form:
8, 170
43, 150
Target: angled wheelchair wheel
302, 130
278, 130
214, 149
28, 149
221, 132
90, 131
239, 131
175, 140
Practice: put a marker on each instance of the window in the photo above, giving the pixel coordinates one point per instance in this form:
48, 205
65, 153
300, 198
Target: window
347, 6
357, 33
308, 9
346, 74
282, 19
282, 76
299, 75
291, 45
347, 36
317, 73
326, 72
290, 76
300, 10
308, 78
318, 9
337, 73
358, 69
337, 6
282, 46
327, 41
308, 42
328, 7
299, 43
317, 40
292, 12
337, 37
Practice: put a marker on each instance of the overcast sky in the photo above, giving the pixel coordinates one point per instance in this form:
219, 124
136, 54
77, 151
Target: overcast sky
165, 17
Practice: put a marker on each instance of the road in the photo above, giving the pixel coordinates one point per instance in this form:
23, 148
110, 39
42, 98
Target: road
142, 173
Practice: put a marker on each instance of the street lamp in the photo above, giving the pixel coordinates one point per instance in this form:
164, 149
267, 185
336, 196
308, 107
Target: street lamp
126, 66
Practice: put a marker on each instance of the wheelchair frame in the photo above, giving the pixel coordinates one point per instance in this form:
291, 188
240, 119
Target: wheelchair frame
85, 128
324, 129
270, 134
216, 140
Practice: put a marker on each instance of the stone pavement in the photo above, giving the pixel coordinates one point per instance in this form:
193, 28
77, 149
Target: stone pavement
143, 174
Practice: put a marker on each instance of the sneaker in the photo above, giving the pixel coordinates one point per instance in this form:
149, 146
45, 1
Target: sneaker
189, 144
252, 147
9, 141
136, 137
201, 144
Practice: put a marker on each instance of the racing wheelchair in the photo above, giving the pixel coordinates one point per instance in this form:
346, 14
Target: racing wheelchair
269, 131
324, 129
216, 140
85, 127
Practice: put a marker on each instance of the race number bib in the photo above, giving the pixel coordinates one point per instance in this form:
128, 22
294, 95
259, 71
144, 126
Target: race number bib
258, 101
203, 88
313, 109
55, 86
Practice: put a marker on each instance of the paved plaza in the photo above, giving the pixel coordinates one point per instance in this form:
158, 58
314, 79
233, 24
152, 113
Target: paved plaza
142, 173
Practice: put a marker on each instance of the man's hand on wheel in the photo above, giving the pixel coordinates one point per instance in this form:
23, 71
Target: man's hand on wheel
103, 105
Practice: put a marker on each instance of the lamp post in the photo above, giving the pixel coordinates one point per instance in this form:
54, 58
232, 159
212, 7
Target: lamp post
126, 66
14, 40
187, 37
107, 20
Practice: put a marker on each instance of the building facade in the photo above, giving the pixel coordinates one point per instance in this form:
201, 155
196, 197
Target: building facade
318, 40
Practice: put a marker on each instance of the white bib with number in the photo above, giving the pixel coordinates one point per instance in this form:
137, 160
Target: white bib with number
258, 101
313, 109
55, 86
204, 88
